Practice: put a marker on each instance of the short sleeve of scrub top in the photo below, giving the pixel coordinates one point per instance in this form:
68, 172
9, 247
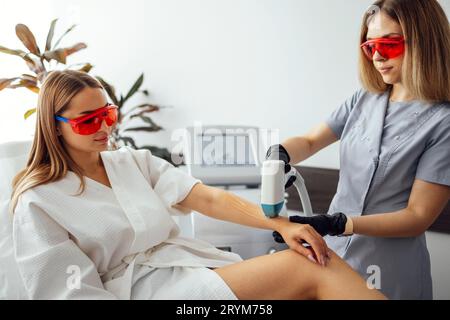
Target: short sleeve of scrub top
434, 164
338, 119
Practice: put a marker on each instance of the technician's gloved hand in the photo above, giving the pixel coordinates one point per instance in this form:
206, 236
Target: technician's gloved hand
333, 225
296, 235
278, 152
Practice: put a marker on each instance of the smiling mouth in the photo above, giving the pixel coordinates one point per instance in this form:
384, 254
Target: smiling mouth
385, 69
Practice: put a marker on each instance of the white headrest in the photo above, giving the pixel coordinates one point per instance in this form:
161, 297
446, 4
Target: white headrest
13, 158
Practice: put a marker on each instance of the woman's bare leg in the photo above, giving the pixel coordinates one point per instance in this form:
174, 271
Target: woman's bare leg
289, 275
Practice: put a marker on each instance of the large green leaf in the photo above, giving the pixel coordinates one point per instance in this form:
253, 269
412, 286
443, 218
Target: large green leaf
27, 38
145, 108
121, 102
147, 120
145, 129
51, 33
109, 90
135, 88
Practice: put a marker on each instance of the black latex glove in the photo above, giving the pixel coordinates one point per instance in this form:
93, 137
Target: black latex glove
333, 225
278, 152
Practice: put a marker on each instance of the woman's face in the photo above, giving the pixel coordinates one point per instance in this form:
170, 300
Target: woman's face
87, 100
382, 26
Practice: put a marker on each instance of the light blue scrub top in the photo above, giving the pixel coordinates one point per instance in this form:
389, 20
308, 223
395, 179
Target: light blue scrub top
385, 146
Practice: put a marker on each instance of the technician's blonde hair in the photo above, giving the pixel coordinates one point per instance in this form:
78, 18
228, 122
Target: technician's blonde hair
48, 160
426, 64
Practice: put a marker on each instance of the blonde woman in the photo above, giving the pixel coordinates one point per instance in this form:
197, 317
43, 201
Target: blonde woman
96, 224
395, 148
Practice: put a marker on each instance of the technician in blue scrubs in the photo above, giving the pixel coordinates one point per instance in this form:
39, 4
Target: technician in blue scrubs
394, 152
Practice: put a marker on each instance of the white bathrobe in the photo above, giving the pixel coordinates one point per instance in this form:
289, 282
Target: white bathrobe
115, 243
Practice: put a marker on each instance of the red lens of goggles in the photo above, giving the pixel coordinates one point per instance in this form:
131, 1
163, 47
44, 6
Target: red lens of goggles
91, 123
388, 48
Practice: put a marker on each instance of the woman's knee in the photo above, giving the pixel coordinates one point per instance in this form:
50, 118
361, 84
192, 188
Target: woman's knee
302, 271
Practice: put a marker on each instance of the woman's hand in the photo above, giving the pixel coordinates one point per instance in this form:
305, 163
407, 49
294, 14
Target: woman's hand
296, 234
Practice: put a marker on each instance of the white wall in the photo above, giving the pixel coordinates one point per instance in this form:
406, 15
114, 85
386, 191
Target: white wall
274, 64
283, 64
259, 62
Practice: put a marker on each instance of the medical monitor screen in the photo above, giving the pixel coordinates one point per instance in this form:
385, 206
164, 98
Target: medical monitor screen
226, 150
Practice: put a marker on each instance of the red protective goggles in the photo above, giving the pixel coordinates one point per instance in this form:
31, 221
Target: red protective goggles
92, 122
388, 48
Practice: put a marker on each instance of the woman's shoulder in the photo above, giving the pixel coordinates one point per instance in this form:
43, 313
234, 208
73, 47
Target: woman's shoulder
46, 199
365, 93
361, 98
37, 193
45, 192
36, 210
445, 109
28, 202
443, 114
362, 94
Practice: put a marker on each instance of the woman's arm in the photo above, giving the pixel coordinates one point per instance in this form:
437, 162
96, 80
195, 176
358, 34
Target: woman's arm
303, 147
426, 202
222, 205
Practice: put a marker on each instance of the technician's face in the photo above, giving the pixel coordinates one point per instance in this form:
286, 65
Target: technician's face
382, 26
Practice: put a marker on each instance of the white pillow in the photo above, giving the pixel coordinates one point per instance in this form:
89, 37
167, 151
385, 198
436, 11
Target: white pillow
13, 158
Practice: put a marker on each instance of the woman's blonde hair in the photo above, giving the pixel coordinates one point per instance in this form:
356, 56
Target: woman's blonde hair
426, 65
49, 161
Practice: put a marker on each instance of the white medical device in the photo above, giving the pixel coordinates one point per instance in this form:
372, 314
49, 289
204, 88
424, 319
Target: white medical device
273, 180
222, 155
227, 156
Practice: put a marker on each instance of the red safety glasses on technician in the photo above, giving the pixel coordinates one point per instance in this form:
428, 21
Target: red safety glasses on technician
388, 48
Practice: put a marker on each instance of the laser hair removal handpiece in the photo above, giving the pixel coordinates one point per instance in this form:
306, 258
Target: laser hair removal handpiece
272, 188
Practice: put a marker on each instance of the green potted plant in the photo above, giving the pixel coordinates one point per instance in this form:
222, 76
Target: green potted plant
41, 62
121, 135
